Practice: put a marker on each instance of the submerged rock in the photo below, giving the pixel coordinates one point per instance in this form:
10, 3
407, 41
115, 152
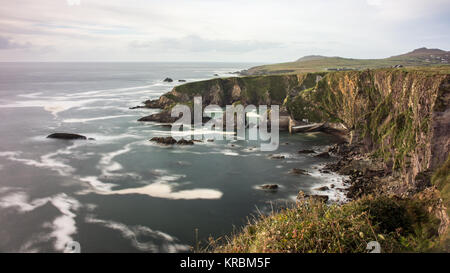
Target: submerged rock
171, 141
186, 142
306, 151
299, 171
324, 188
164, 117
323, 155
67, 136
269, 187
181, 80
136, 107
301, 196
164, 140
277, 157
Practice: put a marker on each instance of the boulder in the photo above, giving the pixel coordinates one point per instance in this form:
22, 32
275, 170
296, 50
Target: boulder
164, 140
306, 151
323, 155
168, 80
171, 141
136, 107
185, 142
66, 136
164, 117
269, 187
324, 188
303, 197
299, 171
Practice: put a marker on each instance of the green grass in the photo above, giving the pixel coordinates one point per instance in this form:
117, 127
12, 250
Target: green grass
338, 62
313, 227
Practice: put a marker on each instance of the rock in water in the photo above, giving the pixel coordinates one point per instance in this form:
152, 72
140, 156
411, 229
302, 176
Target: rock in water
66, 136
164, 117
324, 188
164, 140
168, 80
306, 152
269, 187
299, 171
185, 142
323, 155
320, 198
171, 141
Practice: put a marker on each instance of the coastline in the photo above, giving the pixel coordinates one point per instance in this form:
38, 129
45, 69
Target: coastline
368, 179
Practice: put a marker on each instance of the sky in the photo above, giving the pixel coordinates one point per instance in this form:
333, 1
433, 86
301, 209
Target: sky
217, 30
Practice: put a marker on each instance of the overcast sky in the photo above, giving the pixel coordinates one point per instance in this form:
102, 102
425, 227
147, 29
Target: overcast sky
216, 30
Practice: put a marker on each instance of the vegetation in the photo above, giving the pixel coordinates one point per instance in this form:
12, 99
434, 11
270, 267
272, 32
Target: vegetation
418, 58
398, 225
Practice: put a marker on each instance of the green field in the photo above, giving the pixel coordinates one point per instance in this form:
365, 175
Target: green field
417, 58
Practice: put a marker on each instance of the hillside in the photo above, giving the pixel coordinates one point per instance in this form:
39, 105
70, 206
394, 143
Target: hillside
315, 63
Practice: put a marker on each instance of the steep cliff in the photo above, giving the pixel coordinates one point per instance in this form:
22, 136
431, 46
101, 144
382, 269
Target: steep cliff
400, 116
396, 118
266, 90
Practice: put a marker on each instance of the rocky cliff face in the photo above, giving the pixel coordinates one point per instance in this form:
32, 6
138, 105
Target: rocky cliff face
399, 116
266, 90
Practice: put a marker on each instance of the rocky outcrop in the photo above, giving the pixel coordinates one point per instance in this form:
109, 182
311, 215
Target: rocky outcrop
67, 136
298, 171
269, 187
302, 197
306, 151
171, 141
163, 117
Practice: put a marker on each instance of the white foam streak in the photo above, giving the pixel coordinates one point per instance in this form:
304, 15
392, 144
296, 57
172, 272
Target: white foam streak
84, 120
63, 227
160, 241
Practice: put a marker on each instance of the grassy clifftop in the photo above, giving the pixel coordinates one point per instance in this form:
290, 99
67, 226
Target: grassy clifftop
313, 227
421, 57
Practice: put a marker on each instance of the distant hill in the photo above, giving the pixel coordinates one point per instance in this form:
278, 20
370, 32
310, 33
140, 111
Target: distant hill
311, 57
314, 63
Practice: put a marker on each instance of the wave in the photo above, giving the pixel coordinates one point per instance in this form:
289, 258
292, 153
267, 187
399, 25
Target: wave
62, 227
159, 241
84, 120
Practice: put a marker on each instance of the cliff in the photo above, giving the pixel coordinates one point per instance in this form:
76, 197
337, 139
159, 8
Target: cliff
399, 116
396, 118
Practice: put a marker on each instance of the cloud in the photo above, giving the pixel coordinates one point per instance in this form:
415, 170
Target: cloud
6, 43
194, 43
220, 30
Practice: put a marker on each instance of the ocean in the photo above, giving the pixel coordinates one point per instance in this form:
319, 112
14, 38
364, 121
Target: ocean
121, 192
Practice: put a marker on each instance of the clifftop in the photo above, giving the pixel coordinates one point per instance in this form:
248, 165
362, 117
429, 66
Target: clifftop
421, 57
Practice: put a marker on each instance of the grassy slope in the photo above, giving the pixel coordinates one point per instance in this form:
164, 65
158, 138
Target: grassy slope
398, 225
316, 65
